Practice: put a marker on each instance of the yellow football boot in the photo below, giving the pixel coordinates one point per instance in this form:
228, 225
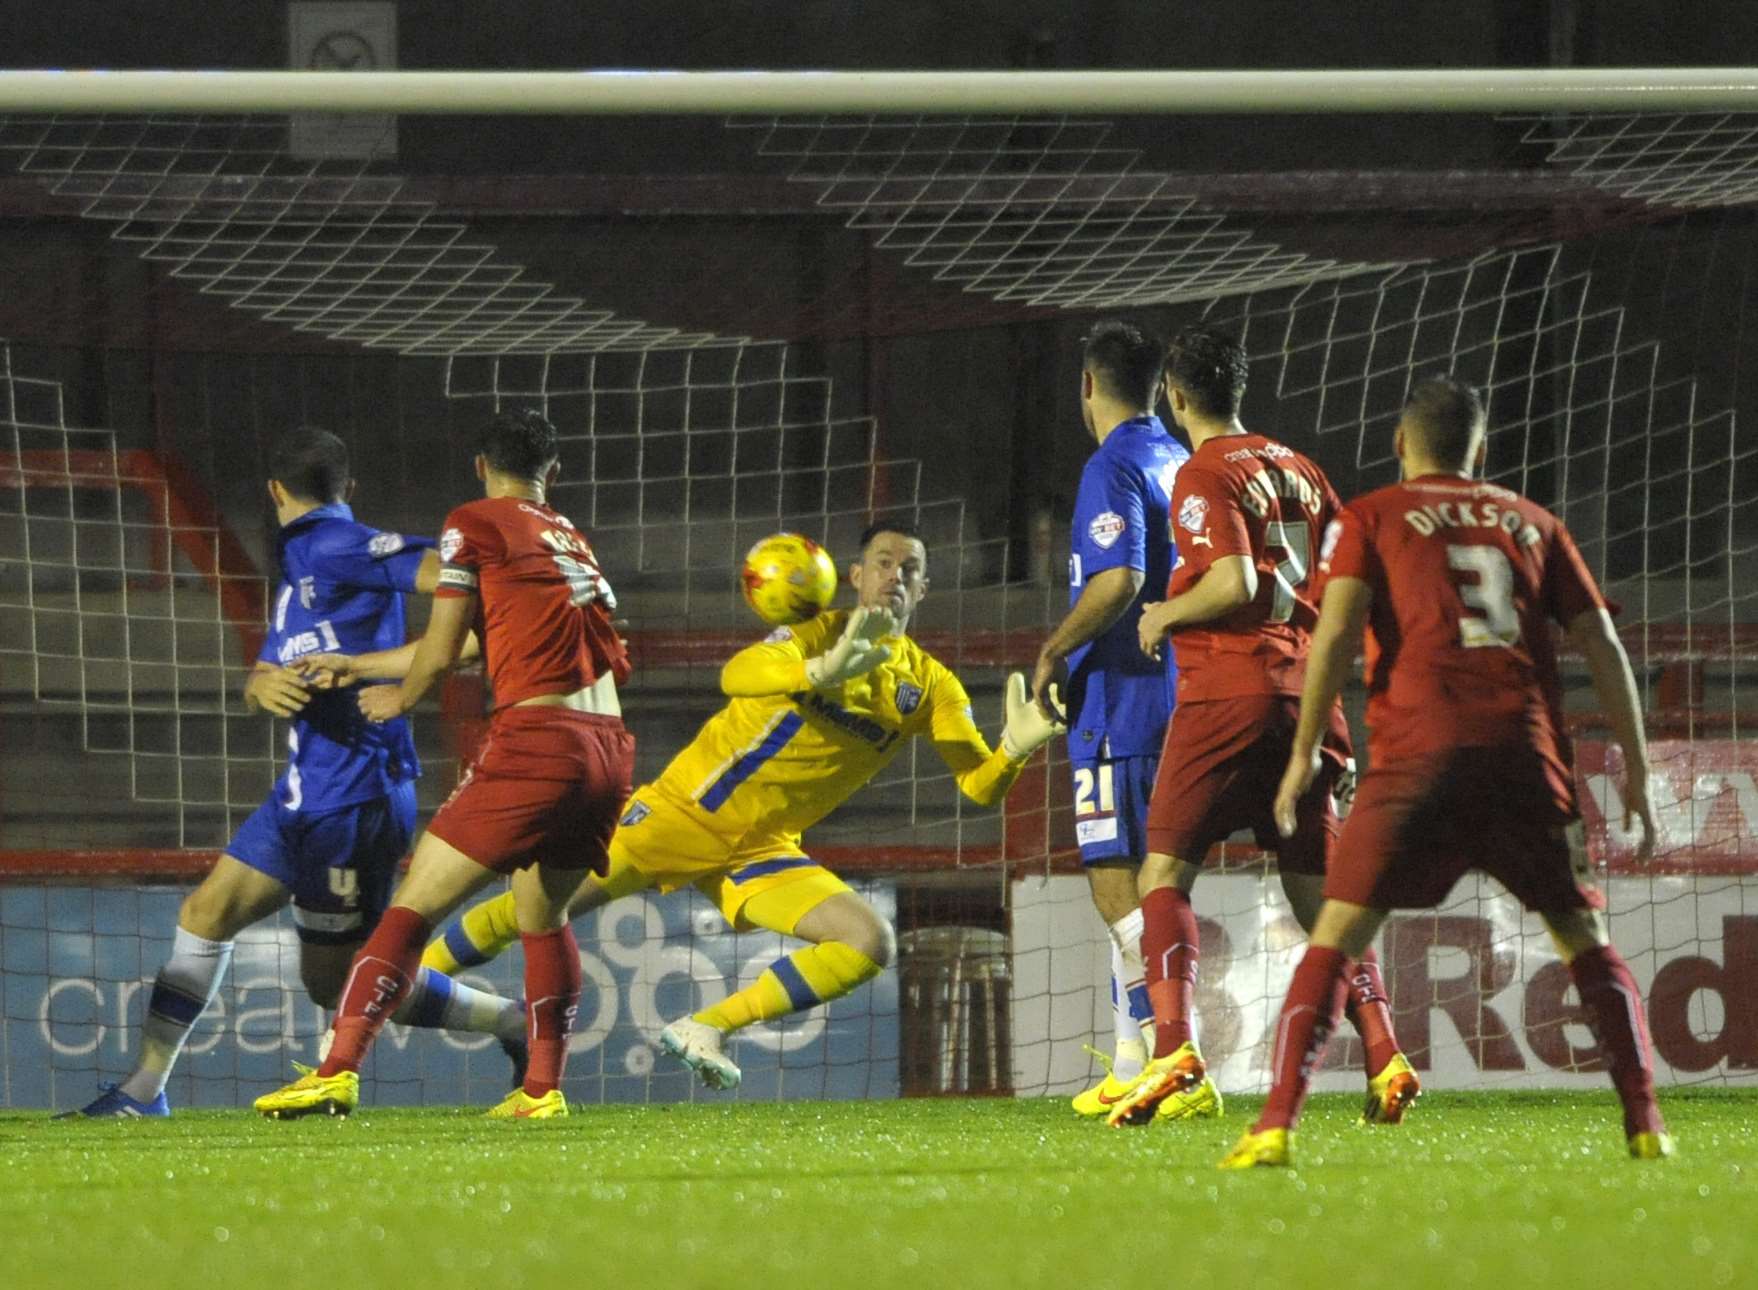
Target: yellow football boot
1651, 1146
1272, 1148
520, 1105
1200, 1103
1390, 1093
1107, 1093
311, 1094
1177, 1072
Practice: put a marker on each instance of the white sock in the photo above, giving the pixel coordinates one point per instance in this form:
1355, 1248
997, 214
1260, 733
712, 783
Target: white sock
1131, 1012
181, 993
438, 1002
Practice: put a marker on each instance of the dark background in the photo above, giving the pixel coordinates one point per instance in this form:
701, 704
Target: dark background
971, 398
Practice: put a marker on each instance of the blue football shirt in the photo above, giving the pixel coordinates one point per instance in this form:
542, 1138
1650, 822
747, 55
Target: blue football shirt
341, 592
1119, 699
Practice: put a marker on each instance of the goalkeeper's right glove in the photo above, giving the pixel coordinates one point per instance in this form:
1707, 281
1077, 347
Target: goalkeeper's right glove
856, 651
1027, 728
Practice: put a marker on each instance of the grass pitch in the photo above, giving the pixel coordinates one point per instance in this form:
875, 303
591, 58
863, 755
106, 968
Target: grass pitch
1498, 1190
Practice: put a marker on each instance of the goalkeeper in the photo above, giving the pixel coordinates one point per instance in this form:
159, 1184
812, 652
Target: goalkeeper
813, 712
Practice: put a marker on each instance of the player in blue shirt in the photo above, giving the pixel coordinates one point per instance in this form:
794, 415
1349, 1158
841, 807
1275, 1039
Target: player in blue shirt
1119, 699
332, 833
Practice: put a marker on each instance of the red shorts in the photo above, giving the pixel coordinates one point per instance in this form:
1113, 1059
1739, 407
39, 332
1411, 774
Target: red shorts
546, 787
1419, 823
1219, 770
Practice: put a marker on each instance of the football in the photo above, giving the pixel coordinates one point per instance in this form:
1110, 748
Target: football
788, 578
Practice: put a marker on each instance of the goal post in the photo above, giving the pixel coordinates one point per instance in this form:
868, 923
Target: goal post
756, 301
887, 93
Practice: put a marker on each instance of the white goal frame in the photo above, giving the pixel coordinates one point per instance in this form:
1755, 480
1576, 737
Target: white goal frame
743, 93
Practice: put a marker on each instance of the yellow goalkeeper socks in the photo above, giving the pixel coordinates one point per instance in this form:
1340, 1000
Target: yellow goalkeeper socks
804, 979
480, 935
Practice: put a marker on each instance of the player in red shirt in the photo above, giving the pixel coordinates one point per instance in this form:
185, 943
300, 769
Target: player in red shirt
1247, 516
543, 795
1458, 583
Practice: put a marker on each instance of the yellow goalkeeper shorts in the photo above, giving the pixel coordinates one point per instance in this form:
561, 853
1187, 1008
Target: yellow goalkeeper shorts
659, 843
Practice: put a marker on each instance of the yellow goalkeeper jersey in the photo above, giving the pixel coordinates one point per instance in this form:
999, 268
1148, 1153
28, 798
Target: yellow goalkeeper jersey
780, 756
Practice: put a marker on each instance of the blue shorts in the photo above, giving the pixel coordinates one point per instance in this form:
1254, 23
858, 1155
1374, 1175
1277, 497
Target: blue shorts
1111, 807
339, 865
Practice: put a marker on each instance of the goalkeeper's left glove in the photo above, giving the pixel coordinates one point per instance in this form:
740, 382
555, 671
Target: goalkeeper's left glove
1027, 728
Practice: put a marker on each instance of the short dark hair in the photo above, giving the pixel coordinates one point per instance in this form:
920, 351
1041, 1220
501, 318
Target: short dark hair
312, 464
519, 442
903, 528
1447, 418
1210, 367
1125, 361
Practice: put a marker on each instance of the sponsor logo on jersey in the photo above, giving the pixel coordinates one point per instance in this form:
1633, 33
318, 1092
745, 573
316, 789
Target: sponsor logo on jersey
1106, 528
909, 698
1087, 832
1328, 547
1201, 539
451, 542
637, 812
297, 646
547, 516
779, 635
854, 723
1193, 515
1271, 451
307, 592
383, 544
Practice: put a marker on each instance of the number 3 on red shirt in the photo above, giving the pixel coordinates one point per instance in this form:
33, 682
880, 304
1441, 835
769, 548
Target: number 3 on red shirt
1492, 595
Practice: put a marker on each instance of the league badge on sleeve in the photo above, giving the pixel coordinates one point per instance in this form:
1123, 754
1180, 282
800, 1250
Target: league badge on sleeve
381, 545
909, 698
450, 543
1193, 515
1106, 528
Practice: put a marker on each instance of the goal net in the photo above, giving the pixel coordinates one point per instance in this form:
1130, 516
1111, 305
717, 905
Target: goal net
743, 325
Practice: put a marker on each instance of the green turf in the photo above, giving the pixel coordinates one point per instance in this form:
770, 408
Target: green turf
1489, 1190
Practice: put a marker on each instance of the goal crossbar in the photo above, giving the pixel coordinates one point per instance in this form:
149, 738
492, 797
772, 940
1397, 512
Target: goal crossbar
739, 93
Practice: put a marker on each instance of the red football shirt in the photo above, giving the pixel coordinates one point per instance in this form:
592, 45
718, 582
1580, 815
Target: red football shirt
1251, 496
544, 610
1467, 579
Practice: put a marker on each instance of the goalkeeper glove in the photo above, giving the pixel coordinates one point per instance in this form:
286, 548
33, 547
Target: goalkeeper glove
856, 651
1027, 728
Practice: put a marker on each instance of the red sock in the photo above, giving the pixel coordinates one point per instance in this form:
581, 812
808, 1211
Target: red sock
1366, 1007
377, 982
1309, 1014
1169, 953
552, 996
1614, 1012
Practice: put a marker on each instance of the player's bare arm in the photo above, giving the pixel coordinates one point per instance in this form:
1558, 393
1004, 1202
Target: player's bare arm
1342, 618
279, 691
338, 671
1229, 584
1102, 602
427, 575
438, 651
1615, 686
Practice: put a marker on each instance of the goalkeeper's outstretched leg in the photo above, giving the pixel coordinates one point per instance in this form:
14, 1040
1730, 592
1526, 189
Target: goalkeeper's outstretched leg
849, 944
